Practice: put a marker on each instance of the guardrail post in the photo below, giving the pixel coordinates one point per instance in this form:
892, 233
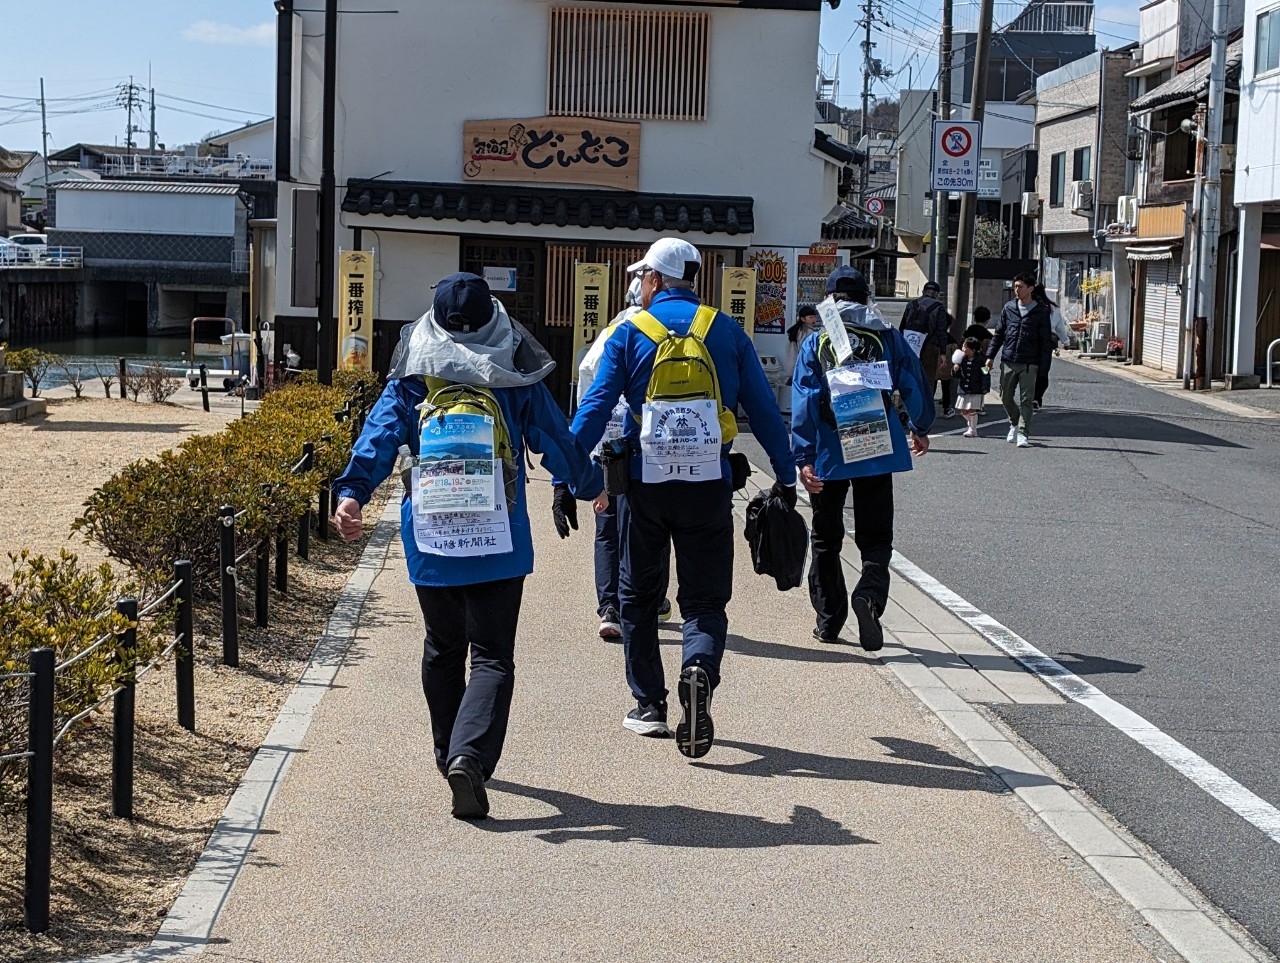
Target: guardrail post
282, 559
122, 717
324, 512
262, 585
304, 523
35, 902
124, 372
204, 385
227, 566
184, 657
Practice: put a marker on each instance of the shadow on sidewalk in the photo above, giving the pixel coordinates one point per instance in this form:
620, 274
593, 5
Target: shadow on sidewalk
924, 766
795, 653
581, 818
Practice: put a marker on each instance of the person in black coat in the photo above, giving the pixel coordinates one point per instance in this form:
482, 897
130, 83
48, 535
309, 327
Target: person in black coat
1022, 334
973, 381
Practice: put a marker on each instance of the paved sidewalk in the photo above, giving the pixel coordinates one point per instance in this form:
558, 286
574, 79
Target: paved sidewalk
836, 819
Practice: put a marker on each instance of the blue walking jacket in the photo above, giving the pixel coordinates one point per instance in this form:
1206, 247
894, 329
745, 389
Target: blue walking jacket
533, 420
628, 362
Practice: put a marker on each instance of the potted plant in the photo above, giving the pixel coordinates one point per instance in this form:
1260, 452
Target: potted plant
1115, 348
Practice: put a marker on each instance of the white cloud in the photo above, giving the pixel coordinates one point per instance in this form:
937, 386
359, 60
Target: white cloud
210, 31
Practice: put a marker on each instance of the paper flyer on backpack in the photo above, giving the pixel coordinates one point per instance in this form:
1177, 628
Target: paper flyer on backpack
861, 419
680, 441
456, 465
463, 534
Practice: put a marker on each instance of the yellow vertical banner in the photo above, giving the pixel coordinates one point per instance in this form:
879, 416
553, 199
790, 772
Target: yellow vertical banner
590, 307
738, 297
355, 310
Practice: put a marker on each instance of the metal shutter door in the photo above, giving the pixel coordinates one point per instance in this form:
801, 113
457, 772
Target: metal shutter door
1161, 315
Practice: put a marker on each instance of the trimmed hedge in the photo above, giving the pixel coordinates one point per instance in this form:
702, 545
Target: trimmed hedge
158, 510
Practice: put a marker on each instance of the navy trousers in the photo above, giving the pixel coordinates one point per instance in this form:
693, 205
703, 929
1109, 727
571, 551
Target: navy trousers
608, 549
697, 518
469, 717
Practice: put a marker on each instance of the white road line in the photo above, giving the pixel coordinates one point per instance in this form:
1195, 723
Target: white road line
1200, 771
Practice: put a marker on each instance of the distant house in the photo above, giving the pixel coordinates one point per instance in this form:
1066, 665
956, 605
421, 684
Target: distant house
254, 141
10, 207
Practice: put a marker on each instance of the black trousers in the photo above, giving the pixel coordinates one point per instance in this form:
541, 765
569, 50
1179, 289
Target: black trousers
872, 533
1042, 377
469, 717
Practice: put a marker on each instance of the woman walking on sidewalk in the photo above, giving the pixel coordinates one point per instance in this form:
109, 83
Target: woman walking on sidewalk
465, 396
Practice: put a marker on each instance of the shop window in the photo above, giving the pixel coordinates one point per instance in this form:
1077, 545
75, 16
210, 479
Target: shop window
628, 64
1057, 178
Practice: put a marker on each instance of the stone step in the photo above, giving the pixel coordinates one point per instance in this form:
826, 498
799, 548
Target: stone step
22, 410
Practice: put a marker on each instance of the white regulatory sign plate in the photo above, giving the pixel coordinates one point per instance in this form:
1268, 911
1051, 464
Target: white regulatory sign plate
957, 146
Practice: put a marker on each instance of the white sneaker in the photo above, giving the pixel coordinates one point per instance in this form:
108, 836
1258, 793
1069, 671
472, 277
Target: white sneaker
970, 433
1022, 441
1013, 434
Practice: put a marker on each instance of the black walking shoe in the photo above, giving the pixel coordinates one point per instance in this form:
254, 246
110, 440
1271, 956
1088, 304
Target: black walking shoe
870, 634
696, 732
664, 611
648, 721
610, 625
470, 801
825, 639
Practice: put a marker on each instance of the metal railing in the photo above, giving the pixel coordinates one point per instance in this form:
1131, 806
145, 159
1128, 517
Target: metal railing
239, 167
239, 262
43, 672
51, 257
1035, 16
1271, 350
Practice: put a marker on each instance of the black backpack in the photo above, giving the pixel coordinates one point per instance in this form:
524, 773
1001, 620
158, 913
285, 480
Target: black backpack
778, 538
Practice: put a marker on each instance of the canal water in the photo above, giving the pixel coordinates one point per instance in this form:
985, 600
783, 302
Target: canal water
106, 352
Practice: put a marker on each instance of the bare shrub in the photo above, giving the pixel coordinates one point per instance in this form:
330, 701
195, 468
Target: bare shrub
74, 374
160, 384
107, 377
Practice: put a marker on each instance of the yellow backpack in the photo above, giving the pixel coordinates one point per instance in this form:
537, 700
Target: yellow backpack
683, 369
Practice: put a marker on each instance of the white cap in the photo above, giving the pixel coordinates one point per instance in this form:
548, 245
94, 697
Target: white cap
670, 256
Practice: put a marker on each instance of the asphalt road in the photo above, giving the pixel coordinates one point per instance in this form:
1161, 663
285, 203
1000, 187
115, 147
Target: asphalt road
1138, 543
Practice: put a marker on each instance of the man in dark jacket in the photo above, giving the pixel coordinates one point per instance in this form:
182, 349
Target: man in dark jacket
1022, 334
926, 325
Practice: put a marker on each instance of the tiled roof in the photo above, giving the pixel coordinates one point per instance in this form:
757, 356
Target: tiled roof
150, 187
515, 204
15, 161
851, 226
888, 193
1192, 83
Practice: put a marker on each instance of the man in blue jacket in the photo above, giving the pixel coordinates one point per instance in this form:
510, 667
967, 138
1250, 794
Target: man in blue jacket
697, 516
469, 596
848, 437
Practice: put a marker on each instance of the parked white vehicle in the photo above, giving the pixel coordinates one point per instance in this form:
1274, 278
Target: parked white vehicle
8, 253
31, 247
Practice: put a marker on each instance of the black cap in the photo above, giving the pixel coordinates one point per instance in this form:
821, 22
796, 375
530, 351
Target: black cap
847, 280
463, 303
930, 286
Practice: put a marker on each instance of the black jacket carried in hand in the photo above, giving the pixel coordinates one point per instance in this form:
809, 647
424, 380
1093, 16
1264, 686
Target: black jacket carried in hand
1019, 338
778, 539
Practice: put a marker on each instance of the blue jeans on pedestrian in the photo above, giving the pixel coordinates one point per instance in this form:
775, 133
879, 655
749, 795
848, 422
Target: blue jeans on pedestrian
697, 517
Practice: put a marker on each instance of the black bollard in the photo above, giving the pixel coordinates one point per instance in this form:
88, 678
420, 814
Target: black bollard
227, 566
122, 716
282, 560
304, 523
204, 385
124, 371
35, 903
184, 661
262, 584
324, 511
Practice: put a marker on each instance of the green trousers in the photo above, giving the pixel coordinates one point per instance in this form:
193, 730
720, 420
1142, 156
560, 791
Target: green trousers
1019, 378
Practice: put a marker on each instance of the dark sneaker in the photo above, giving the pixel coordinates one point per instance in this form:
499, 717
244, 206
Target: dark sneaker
664, 610
610, 626
470, 801
648, 721
870, 634
825, 639
695, 733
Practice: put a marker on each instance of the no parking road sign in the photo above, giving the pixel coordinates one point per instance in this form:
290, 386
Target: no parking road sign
957, 145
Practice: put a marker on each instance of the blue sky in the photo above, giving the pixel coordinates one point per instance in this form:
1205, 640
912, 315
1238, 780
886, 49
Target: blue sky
221, 55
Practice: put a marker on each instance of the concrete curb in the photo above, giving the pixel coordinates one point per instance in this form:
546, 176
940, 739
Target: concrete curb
187, 928
1142, 880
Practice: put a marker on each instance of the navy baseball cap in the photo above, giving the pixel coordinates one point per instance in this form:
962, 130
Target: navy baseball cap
463, 302
846, 280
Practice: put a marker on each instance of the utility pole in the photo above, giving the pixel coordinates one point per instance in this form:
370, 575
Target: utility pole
941, 222
959, 300
151, 145
1211, 204
1194, 127
326, 347
866, 100
44, 145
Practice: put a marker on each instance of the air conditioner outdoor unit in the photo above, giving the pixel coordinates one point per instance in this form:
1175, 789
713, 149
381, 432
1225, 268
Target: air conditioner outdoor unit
1030, 205
1127, 210
1081, 196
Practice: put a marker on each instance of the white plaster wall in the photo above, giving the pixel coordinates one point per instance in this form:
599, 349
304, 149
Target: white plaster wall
1008, 126
259, 143
408, 82
406, 265
1258, 143
203, 215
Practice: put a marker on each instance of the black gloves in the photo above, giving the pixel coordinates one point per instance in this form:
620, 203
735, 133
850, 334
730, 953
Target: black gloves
564, 509
786, 492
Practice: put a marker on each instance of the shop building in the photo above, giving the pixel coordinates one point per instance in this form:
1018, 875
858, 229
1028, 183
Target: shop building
512, 138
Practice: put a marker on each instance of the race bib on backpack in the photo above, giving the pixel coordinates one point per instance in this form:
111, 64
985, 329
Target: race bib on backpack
861, 419
680, 441
915, 339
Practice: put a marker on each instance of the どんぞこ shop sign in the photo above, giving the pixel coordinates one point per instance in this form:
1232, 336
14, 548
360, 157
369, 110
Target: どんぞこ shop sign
553, 150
